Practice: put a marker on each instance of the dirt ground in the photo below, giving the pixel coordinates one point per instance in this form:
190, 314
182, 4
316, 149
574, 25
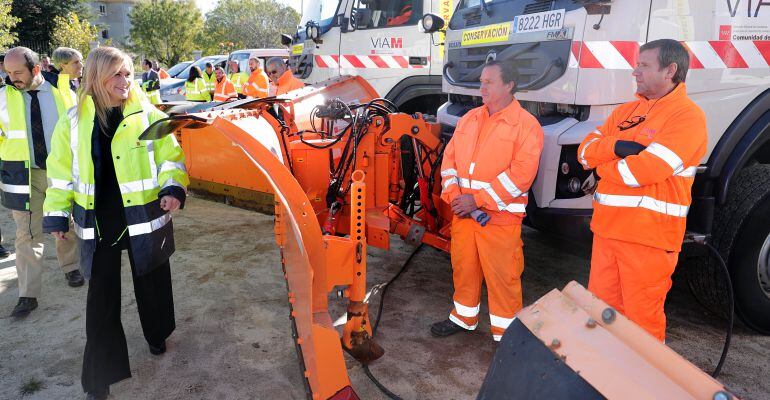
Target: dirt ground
233, 339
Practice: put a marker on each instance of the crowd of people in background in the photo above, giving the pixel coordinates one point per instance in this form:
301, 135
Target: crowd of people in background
212, 85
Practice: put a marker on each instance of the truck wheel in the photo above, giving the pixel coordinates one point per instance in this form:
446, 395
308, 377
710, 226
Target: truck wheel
742, 236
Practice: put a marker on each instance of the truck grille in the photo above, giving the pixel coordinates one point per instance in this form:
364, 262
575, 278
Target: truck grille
531, 59
537, 7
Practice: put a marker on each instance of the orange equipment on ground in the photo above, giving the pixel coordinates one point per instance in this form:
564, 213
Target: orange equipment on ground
330, 157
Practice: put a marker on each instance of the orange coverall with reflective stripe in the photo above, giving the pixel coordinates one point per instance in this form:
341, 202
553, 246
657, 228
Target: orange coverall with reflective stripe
288, 82
225, 90
256, 86
641, 202
495, 159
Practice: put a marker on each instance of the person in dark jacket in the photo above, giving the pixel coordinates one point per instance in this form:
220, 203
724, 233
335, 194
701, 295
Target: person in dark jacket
121, 190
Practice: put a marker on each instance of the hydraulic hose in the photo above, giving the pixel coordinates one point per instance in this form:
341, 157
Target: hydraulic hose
368, 372
730, 304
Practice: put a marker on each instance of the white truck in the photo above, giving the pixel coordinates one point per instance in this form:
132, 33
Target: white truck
379, 40
575, 58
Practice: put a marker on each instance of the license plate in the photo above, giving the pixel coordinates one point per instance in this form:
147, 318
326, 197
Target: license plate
543, 21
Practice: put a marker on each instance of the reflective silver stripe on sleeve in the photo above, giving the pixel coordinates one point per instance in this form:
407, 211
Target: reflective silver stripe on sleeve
688, 172
471, 168
448, 172
17, 189
582, 158
614, 200
628, 178
61, 184
465, 311
516, 208
148, 227
170, 166
171, 182
508, 184
64, 214
84, 233
449, 182
664, 153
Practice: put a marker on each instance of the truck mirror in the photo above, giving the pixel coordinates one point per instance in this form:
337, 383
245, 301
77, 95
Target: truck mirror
286, 40
431, 23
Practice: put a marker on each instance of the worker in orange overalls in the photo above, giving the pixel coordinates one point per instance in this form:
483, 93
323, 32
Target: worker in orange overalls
256, 86
488, 168
280, 75
646, 155
224, 90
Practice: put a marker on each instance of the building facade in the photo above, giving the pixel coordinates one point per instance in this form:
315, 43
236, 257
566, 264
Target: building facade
111, 16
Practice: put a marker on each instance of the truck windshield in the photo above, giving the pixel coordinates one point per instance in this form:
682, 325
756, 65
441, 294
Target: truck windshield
322, 12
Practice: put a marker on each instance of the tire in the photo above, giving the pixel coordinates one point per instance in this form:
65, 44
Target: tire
742, 235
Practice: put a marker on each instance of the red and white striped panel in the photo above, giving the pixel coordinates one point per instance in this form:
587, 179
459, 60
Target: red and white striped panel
714, 54
367, 61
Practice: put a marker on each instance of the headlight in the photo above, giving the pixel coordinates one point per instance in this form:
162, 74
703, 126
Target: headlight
432, 23
314, 33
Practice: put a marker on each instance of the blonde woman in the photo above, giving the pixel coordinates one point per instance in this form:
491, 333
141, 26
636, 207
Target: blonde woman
121, 191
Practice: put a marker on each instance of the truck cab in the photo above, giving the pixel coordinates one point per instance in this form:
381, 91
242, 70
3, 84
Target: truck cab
575, 59
377, 39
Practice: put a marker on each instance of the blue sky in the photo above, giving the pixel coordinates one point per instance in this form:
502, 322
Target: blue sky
206, 5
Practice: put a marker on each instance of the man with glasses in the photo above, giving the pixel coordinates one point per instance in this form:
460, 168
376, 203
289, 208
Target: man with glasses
30, 106
281, 76
646, 155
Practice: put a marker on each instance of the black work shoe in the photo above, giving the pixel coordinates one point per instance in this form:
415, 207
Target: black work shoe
24, 307
158, 350
4, 252
74, 278
99, 394
445, 328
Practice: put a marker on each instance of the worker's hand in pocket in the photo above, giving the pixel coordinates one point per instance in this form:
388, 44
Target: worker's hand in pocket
169, 203
463, 205
59, 235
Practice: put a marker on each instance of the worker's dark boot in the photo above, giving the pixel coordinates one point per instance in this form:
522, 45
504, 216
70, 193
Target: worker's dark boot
4, 252
74, 278
24, 307
445, 328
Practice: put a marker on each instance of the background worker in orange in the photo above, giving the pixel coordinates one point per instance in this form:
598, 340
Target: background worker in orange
224, 90
256, 86
645, 154
489, 165
282, 77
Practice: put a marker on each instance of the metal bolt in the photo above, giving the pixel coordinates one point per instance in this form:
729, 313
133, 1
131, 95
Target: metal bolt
388, 140
415, 130
378, 122
591, 323
721, 395
555, 344
608, 315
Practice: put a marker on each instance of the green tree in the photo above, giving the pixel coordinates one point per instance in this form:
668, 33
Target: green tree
72, 31
165, 29
7, 23
37, 17
248, 24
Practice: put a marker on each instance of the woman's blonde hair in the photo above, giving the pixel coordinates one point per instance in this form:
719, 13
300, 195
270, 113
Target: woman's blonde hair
102, 64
